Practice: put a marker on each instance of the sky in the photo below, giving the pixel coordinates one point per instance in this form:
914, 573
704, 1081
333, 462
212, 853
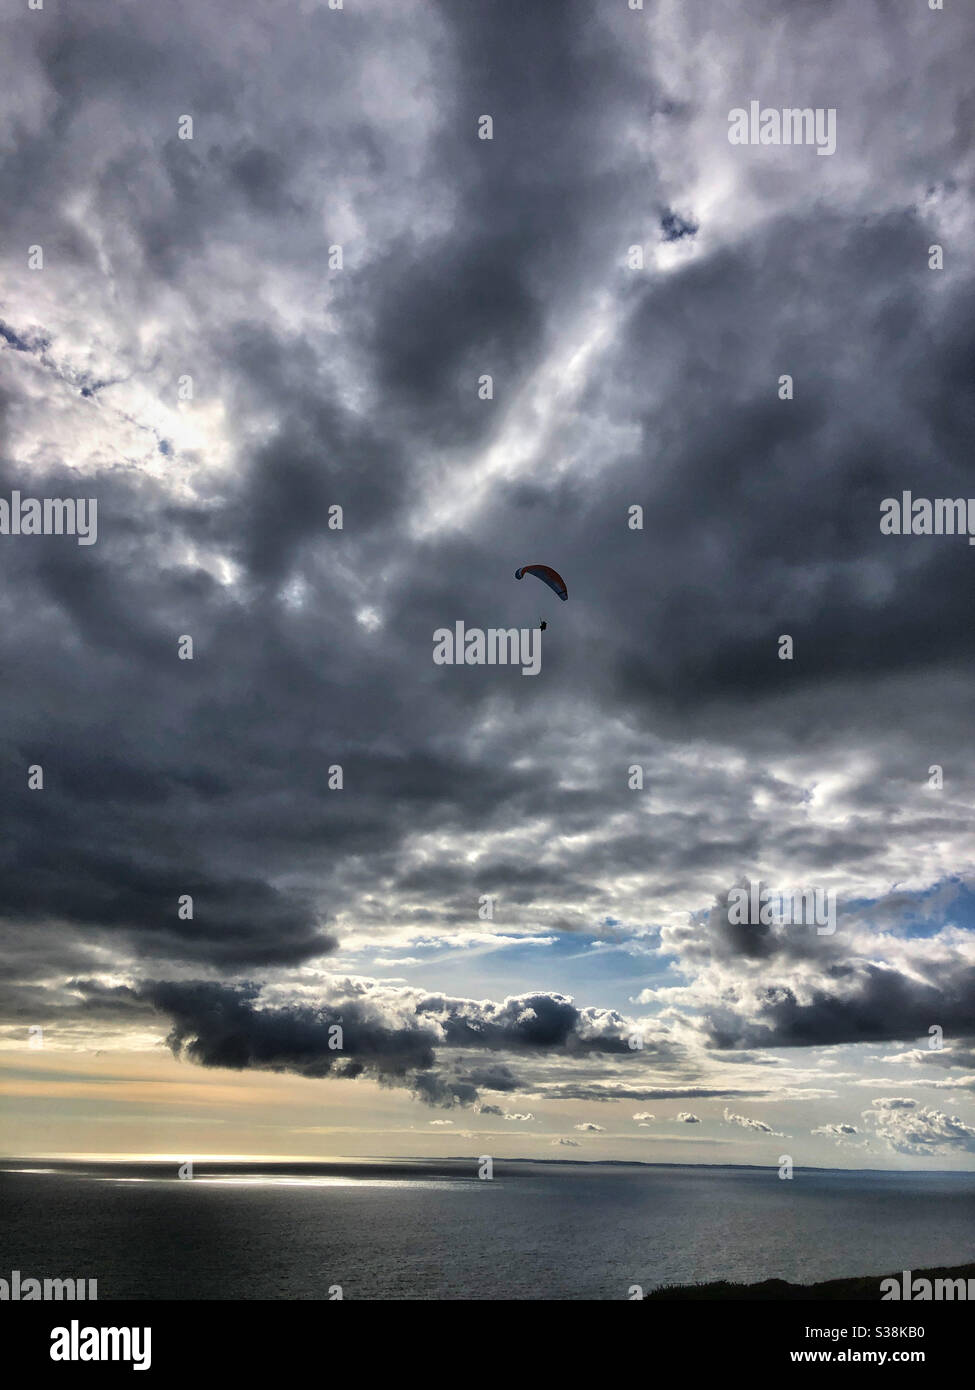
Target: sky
288, 306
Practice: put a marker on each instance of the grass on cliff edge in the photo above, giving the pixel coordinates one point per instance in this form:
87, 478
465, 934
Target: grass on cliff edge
865, 1289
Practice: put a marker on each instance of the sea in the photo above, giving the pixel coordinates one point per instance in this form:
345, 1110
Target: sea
418, 1230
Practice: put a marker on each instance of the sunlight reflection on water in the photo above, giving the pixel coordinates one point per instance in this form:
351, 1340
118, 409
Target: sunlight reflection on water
260, 1180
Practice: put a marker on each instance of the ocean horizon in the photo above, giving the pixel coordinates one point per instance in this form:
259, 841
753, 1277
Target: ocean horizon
421, 1229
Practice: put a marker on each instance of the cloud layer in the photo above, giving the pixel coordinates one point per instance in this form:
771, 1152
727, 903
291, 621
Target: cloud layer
318, 381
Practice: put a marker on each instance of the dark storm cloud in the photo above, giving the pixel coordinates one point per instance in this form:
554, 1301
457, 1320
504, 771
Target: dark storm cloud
18, 343
861, 1002
112, 841
495, 1077
869, 613
218, 1026
394, 1035
316, 387
789, 986
442, 1091
542, 1021
674, 227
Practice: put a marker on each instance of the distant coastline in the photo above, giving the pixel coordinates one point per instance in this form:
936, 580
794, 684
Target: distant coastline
865, 1289
447, 1165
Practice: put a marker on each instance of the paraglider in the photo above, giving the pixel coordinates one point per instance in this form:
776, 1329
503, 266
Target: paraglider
548, 576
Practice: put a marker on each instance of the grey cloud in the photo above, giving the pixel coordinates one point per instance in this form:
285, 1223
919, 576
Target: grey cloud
395, 1035
593, 1091
905, 1126
856, 1002
744, 1122
835, 1131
